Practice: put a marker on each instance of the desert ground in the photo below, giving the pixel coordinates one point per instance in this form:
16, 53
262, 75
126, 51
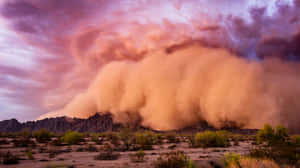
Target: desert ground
44, 149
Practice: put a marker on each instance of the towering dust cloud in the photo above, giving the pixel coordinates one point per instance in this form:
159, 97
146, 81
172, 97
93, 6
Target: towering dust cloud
173, 89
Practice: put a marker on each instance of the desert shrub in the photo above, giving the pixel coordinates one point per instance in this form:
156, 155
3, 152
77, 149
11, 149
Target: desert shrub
25, 133
171, 137
113, 138
138, 156
107, 153
281, 133
72, 138
89, 148
43, 135
211, 139
23, 143
272, 137
126, 136
246, 162
295, 140
96, 138
176, 159
280, 154
29, 155
57, 142
158, 138
265, 134
42, 150
144, 141
237, 138
191, 141
9, 159
232, 159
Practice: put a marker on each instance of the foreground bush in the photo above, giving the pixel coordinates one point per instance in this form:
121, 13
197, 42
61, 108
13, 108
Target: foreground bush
271, 136
43, 135
232, 159
144, 141
138, 156
288, 155
210, 139
253, 163
72, 138
174, 160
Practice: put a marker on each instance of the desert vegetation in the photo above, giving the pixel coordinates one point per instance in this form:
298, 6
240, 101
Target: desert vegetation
270, 147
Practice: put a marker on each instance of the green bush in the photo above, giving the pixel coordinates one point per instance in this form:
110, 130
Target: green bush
43, 135
272, 137
72, 138
232, 158
211, 139
138, 156
10, 159
175, 159
144, 141
29, 155
281, 133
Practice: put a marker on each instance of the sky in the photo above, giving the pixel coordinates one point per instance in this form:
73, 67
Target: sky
51, 50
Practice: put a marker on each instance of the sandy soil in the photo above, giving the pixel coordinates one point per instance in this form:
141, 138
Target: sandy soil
204, 157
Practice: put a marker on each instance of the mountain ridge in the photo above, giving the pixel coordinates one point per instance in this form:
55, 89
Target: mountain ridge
96, 123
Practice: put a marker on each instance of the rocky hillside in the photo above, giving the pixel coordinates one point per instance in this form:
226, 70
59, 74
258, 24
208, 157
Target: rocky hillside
96, 123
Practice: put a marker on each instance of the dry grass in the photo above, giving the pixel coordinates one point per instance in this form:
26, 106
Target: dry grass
257, 163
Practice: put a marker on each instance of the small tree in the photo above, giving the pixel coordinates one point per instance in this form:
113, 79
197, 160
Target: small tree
272, 137
281, 133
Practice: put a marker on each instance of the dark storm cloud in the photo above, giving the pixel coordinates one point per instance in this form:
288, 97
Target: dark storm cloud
46, 16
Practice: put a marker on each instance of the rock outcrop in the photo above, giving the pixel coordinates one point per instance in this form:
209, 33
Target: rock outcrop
96, 123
